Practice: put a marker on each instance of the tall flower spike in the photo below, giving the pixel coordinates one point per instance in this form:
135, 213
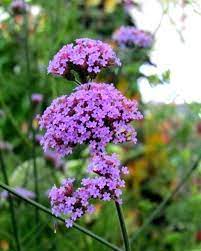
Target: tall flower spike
87, 57
95, 114
128, 36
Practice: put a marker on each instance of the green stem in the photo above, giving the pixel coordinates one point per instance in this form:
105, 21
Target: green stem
29, 80
117, 75
11, 206
123, 227
35, 173
48, 211
163, 204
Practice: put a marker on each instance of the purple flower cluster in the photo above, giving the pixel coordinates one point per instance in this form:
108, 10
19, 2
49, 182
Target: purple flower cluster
87, 57
128, 36
18, 6
95, 114
106, 185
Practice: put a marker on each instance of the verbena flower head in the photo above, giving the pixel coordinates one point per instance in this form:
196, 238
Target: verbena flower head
87, 57
95, 114
72, 203
19, 6
128, 36
106, 185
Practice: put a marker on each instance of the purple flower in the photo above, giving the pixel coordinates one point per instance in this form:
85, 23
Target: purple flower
19, 6
87, 56
95, 114
109, 182
69, 223
106, 197
21, 191
24, 192
36, 98
72, 203
129, 36
105, 185
129, 4
125, 170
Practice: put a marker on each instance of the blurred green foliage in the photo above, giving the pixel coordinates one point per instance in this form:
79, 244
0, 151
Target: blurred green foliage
169, 135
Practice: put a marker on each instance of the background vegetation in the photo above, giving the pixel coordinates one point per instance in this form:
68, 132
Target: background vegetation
169, 136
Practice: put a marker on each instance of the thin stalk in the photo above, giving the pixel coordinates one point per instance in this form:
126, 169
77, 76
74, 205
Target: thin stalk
32, 232
31, 240
163, 204
11, 206
29, 80
117, 75
48, 211
123, 227
35, 173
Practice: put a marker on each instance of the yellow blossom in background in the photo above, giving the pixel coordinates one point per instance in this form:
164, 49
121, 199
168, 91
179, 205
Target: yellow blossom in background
110, 5
35, 123
4, 245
